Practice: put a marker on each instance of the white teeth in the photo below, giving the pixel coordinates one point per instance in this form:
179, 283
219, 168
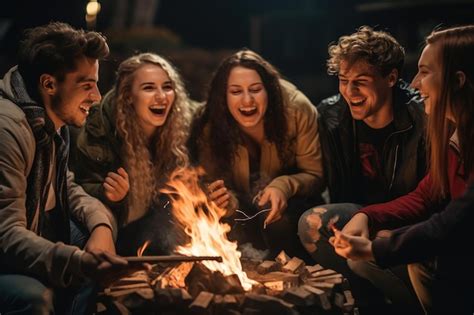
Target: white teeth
84, 109
247, 109
158, 107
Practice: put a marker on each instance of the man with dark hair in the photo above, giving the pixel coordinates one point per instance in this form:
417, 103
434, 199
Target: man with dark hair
372, 142
54, 85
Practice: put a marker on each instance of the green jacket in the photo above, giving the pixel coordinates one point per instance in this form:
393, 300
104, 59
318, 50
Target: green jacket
99, 152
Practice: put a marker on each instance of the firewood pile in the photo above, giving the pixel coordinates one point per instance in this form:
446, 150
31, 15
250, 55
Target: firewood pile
285, 286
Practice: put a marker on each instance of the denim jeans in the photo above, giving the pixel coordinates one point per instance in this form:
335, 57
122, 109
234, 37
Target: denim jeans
24, 294
366, 278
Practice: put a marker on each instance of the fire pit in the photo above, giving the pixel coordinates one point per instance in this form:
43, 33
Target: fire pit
234, 286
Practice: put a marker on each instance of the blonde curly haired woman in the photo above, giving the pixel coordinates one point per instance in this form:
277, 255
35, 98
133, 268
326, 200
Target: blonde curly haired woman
131, 143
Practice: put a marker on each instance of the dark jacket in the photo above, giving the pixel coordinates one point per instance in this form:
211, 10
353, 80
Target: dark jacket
403, 154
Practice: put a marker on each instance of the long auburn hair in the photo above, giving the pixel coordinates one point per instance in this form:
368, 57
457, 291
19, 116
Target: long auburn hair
225, 134
456, 48
150, 164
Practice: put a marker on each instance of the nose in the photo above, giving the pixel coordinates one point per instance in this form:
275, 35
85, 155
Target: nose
248, 99
351, 88
415, 83
160, 95
95, 95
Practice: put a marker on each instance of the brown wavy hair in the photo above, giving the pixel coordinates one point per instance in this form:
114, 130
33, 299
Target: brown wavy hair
225, 134
149, 165
378, 48
456, 51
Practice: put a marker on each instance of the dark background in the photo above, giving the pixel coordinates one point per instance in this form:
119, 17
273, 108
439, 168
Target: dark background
197, 35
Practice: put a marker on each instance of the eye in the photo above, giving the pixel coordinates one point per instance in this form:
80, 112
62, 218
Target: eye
343, 81
168, 87
149, 87
255, 90
235, 92
88, 87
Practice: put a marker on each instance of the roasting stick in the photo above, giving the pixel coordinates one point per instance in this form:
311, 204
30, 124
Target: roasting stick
170, 259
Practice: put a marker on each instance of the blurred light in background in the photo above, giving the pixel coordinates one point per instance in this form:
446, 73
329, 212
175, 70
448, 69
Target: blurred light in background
92, 10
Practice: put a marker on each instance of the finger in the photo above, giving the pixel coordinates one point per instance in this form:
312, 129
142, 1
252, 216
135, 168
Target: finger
215, 185
109, 189
264, 199
271, 216
123, 173
218, 193
121, 181
112, 182
221, 200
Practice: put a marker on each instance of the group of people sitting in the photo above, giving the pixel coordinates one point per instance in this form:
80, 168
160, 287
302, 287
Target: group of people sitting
398, 180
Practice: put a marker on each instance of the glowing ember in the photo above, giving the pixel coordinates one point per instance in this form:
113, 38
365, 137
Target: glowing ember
142, 248
201, 221
332, 223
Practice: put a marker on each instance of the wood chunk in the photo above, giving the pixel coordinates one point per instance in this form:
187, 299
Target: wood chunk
315, 268
321, 285
202, 301
230, 301
295, 265
275, 285
137, 277
321, 297
325, 272
339, 300
333, 280
126, 287
116, 294
324, 278
282, 258
267, 266
291, 278
139, 299
299, 296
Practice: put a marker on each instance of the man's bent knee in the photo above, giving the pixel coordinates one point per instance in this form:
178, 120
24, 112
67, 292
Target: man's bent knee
308, 227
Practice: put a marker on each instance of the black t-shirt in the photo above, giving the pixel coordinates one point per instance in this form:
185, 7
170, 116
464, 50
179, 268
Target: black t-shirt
371, 184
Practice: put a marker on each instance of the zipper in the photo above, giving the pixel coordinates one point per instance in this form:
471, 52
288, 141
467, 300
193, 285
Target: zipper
392, 180
394, 169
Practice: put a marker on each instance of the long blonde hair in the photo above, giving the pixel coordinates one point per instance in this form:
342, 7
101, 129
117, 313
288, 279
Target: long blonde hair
149, 165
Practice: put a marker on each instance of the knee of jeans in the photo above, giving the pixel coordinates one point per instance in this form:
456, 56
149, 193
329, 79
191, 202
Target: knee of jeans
361, 268
308, 227
40, 300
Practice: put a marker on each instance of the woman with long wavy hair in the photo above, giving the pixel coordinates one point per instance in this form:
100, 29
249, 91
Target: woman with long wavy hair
428, 236
258, 134
132, 142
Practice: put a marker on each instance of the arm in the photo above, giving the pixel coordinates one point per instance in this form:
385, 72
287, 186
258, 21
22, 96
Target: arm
411, 208
22, 250
303, 119
443, 233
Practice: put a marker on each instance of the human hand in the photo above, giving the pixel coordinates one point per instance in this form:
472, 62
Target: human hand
116, 185
358, 225
219, 194
278, 204
101, 240
105, 268
351, 247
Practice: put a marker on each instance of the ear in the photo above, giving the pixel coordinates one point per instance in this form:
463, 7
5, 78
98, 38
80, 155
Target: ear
48, 84
460, 79
392, 77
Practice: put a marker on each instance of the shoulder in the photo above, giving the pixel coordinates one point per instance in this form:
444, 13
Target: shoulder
296, 102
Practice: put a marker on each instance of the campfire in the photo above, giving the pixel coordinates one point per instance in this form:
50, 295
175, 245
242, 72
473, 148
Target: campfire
209, 276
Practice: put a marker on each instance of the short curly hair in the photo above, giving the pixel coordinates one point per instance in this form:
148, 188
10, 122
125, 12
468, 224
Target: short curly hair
378, 48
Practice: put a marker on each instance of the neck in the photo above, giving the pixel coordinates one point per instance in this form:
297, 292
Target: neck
257, 133
382, 117
58, 123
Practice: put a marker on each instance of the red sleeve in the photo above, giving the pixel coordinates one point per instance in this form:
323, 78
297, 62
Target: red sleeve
409, 209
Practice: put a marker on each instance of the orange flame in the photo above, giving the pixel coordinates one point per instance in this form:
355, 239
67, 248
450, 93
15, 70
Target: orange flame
200, 219
142, 248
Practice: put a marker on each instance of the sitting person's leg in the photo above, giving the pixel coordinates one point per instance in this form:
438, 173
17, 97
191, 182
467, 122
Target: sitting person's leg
21, 294
314, 232
393, 282
283, 234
